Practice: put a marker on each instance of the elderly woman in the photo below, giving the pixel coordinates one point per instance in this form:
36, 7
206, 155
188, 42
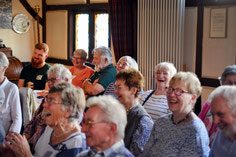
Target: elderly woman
124, 62
155, 101
79, 70
32, 131
181, 133
63, 107
10, 111
128, 84
228, 77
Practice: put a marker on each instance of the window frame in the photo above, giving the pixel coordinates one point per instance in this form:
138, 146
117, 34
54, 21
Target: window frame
71, 29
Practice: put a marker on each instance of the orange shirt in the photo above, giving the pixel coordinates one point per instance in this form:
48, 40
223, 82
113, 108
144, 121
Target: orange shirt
83, 74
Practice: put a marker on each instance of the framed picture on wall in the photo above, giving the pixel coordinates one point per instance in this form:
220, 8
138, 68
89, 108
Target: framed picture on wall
218, 23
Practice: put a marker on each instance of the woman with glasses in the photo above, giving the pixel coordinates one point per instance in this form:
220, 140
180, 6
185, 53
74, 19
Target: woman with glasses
80, 71
63, 107
32, 131
155, 101
181, 133
228, 77
128, 85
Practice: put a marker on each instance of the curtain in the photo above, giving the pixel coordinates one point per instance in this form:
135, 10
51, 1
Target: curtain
123, 23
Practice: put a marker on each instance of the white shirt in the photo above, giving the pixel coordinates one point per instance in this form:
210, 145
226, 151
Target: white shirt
10, 111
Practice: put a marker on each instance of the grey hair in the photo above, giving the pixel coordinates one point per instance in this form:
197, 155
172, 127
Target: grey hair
59, 70
81, 52
226, 91
72, 97
229, 70
4, 62
113, 111
105, 52
167, 65
132, 62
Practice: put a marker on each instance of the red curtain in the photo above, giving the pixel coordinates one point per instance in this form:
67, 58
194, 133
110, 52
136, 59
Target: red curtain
123, 22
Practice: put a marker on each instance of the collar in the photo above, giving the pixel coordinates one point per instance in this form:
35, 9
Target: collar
4, 83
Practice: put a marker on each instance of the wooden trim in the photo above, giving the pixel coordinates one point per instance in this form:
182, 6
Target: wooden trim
81, 7
71, 34
210, 82
31, 11
61, 61
44, 6
195, 3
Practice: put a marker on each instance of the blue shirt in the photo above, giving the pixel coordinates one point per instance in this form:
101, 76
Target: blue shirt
168, 140
118, 149
222, 146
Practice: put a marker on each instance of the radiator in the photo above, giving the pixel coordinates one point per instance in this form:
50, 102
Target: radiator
159, 36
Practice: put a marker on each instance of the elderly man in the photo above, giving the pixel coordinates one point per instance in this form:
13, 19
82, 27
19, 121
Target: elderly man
104, 126
104, 75
124, 62
35, 75
223, 109
10, 111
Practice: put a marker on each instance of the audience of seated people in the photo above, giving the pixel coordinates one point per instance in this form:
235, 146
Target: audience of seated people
228, 77
57, 73
155, 101
63, 107
35, 75
54, 129
181, 133
79, 70
223, 109
104, 126
124, 62
128, 85
10, 111
104, 72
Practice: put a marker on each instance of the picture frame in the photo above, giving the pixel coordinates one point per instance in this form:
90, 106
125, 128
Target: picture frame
218, 22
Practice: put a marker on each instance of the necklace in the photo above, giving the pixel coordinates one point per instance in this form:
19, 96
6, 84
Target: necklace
176, 123
63, 133
127, 110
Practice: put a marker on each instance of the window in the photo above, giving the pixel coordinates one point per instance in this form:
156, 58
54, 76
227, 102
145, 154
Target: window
88, 29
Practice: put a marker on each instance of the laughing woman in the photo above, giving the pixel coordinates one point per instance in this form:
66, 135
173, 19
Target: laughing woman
181, 133
155, 101
62, 136
128, 85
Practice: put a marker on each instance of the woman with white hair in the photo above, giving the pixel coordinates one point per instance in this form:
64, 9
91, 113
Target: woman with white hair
63, 107
57, 73
10, 111
155, 101
181, 133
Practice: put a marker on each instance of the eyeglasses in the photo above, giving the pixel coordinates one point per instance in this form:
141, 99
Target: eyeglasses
122, 64
229, 83
53, 79
89, 123
177, 91
51, 100
76, 58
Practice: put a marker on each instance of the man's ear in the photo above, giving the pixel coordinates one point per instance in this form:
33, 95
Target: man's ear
46, 56
113, 128
194, 98
134, 90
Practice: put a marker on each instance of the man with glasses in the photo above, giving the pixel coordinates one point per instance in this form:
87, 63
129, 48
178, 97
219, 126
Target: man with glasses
124, 62
35, 75
104, 72
104, 124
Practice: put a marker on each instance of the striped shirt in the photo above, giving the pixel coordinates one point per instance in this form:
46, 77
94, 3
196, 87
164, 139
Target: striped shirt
156, 105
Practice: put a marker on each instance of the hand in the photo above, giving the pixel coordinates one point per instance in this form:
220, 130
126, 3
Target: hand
30, 85
96, 81
18, 144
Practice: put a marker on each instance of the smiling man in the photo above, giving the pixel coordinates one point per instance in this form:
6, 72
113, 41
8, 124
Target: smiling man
223, 109
35, 75
104, 124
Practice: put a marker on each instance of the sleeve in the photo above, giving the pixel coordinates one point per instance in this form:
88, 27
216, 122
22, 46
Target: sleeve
196, 144
16, 114
141, 135
106, 78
